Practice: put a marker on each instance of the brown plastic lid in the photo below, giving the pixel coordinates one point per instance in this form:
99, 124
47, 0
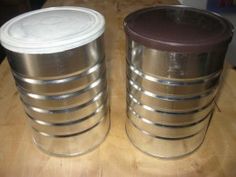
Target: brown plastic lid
178, 28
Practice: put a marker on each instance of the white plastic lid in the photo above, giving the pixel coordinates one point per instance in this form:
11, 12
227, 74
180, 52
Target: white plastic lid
51, 30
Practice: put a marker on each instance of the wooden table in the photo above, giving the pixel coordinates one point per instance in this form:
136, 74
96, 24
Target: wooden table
116, 156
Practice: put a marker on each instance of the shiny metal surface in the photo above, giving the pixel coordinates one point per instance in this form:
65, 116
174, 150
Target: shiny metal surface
166, 131
169, 118
58, 65
69, 127
64, 100
61, 85
170, 98
74, 144
163, 147
65, 97
172, 87
173, 65
170, 103
67, 114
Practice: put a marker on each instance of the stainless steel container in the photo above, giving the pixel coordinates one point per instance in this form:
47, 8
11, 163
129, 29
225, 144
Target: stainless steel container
175, 58
58, 62
163, 147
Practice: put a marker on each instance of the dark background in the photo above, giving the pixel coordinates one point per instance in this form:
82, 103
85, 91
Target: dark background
12, 8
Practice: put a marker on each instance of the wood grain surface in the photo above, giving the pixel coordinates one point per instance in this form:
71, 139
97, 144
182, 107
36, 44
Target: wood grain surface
116, 157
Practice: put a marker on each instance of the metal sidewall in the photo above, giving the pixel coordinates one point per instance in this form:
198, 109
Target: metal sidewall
170, 98
65, 96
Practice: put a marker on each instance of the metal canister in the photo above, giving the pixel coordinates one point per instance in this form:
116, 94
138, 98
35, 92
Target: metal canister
58, 62
175, 58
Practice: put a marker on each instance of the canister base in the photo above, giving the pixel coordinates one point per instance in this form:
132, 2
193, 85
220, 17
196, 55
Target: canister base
168, 155
106, 127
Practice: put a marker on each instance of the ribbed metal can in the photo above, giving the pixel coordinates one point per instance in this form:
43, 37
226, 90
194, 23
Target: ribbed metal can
60, 74
175, 58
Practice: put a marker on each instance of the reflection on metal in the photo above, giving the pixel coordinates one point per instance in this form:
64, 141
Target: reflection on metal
170, 98
67, 105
